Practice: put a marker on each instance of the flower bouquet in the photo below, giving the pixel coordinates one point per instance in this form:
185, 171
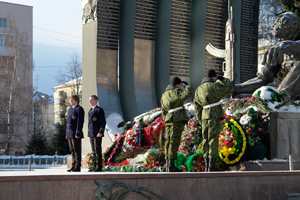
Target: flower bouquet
123, 155
131, 136
255, 149
90, 161
193, 163
232, 142
150, 156
190, 138
277, 100
155, 133
249, 122
114, 150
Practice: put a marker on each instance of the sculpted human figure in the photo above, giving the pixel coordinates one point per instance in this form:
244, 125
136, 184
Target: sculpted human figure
285, 55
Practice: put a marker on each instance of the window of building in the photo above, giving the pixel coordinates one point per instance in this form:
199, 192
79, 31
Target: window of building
1, 40
3, 22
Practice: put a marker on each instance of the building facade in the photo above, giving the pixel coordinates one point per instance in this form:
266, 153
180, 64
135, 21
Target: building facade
62, 94
43, 115
16, 123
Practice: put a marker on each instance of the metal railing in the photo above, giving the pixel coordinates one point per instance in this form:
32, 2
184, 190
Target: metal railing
34, 160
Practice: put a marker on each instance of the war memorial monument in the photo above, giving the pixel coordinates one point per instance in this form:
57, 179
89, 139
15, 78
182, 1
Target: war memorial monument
131, 50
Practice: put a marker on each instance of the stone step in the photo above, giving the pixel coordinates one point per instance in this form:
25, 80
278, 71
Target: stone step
269, 166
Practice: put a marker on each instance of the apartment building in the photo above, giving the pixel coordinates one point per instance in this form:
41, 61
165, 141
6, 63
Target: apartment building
16, 111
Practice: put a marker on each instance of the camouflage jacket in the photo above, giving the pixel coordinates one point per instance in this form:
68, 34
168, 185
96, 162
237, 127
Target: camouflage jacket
172, 98
209, 92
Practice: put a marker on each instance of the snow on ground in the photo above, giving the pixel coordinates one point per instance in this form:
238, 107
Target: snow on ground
112, 122
46, 172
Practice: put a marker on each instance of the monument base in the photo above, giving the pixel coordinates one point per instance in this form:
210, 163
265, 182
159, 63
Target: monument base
285, 135
219, 185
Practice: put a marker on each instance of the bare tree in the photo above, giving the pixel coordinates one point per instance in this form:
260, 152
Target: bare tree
72, 75
16, 89
268, 11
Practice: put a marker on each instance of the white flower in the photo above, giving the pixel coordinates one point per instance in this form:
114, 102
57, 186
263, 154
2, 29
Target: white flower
245, 119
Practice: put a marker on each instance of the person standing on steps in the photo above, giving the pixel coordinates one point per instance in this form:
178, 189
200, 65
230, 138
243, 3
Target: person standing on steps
210, 114
96, 129
74, 132
174, 116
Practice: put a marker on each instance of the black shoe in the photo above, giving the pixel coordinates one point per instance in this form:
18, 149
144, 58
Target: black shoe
69, 170
76, 170
90, 170
206, 164
172, 167
98, 170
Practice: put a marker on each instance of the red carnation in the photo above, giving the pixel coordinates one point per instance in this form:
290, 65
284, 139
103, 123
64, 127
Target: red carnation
199, 159
188, 140
185, 147
192, 133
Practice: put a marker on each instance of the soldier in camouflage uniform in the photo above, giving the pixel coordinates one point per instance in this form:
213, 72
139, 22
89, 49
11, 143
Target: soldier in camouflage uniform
174, 116
210, 113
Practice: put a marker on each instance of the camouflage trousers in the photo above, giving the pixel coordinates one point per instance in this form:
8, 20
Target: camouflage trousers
173, 134
210, 135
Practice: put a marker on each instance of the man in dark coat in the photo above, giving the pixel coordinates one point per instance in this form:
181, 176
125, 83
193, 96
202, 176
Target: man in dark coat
74, 132
96, 128
210, 113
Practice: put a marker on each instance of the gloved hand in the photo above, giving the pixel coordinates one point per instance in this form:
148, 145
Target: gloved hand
185, 83
220, 78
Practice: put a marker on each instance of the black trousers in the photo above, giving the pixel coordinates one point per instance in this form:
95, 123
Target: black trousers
75, 149
96, 144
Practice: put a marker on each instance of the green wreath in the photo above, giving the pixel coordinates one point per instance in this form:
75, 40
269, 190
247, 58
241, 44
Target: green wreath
232, 142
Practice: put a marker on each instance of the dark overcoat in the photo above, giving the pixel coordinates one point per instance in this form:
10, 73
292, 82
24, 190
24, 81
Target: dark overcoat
75, 122
97, 122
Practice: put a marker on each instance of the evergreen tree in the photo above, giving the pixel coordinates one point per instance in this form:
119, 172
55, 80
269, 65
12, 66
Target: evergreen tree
37, 145
59, 141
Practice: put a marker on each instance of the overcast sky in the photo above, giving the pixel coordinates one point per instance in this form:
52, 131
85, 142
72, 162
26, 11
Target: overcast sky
57, 34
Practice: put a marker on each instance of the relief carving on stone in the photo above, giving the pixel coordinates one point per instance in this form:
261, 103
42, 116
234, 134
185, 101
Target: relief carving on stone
89, 11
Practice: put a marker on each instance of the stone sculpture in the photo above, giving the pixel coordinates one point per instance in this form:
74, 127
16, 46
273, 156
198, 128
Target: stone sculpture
89, 11
284, 57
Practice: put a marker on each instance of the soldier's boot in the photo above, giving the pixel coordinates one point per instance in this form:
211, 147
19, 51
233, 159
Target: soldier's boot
168, 165
206, 164
212, 166
172, 167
